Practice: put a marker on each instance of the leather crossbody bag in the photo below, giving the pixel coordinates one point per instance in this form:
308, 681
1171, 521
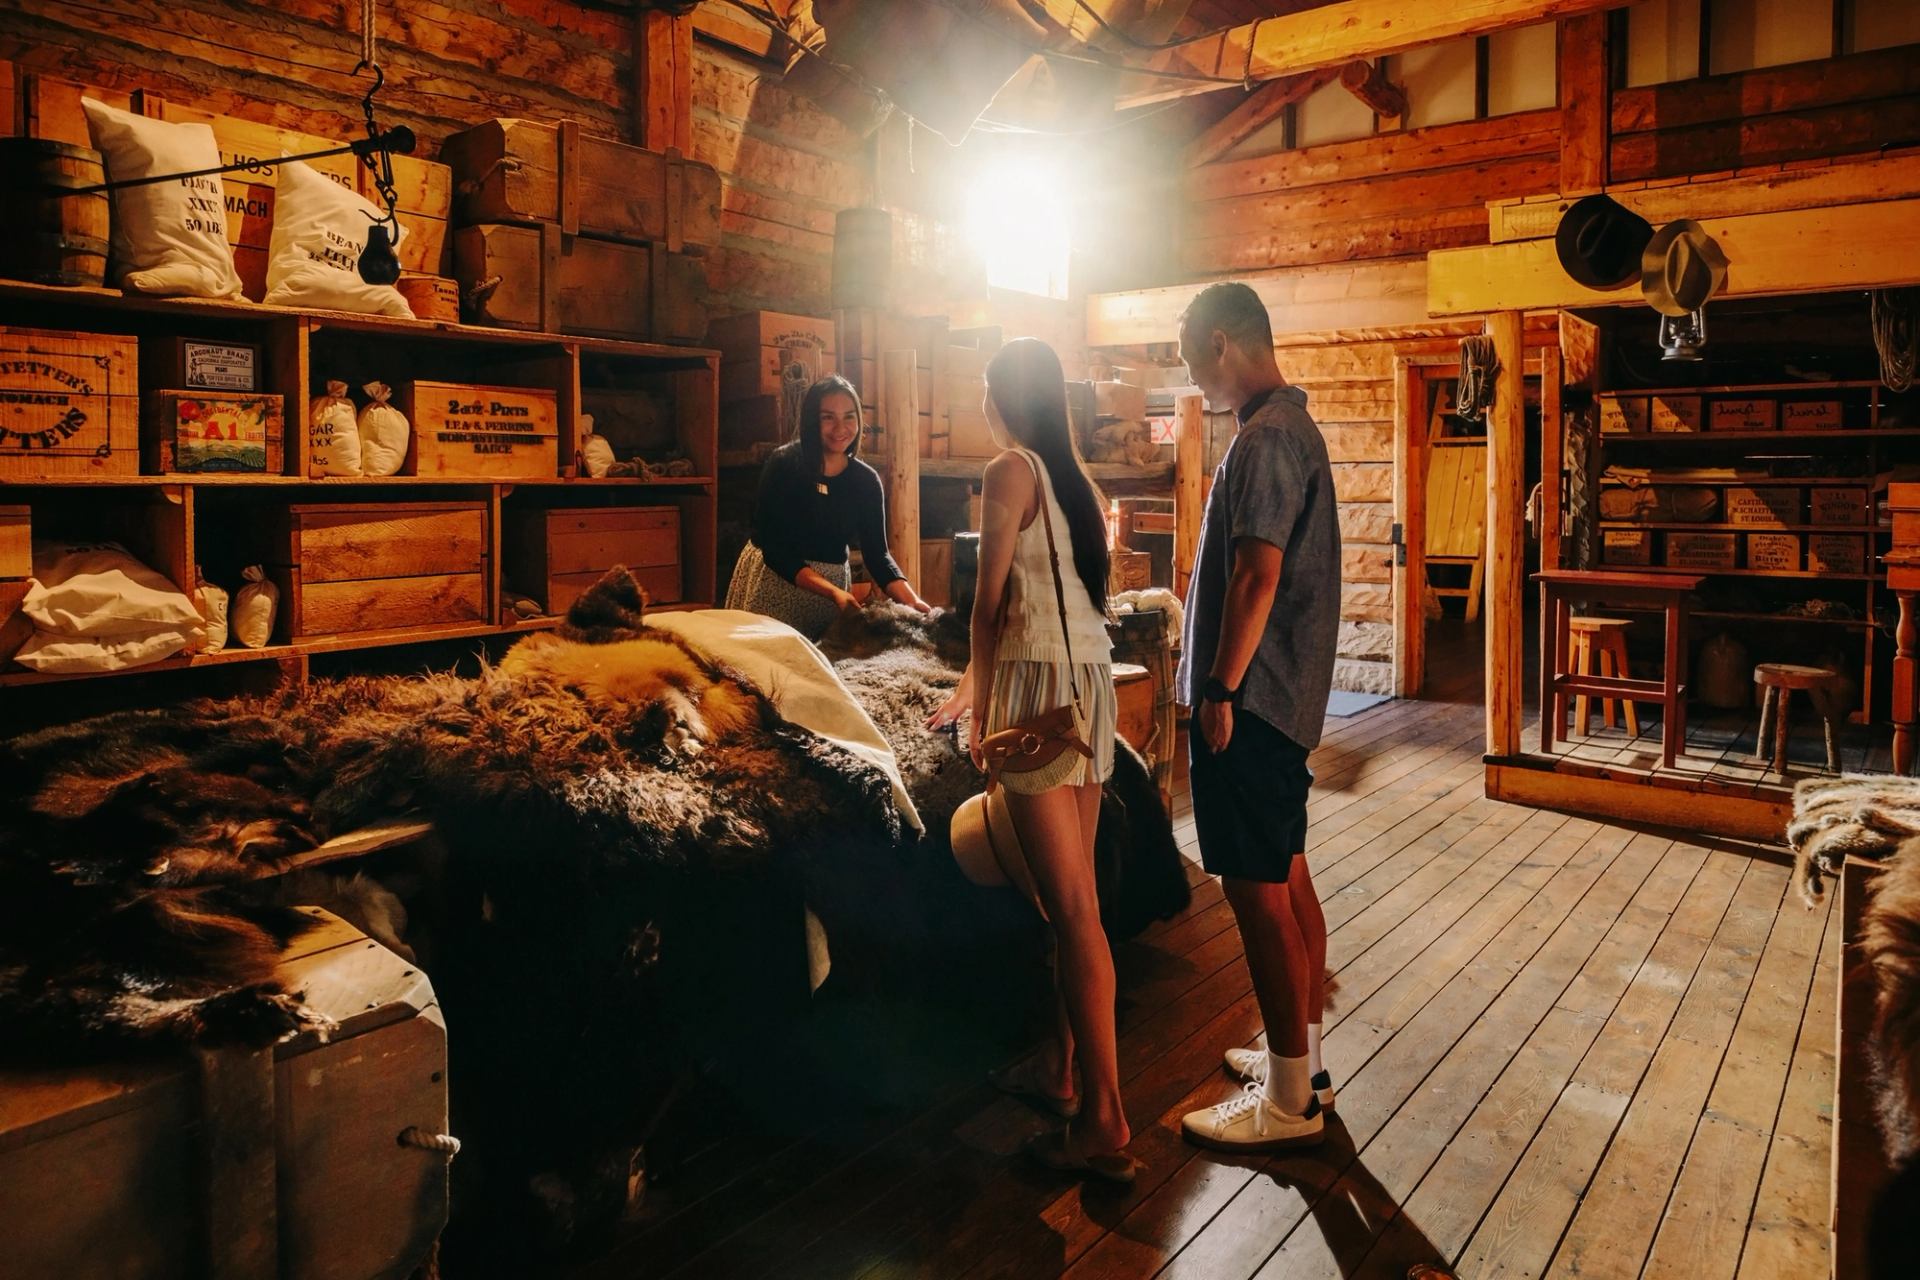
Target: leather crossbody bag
1037, 741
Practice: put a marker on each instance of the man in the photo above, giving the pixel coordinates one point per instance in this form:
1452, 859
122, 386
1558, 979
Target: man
1263, 617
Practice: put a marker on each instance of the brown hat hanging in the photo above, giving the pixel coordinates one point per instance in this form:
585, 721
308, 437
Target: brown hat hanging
1599, 242
1681, 268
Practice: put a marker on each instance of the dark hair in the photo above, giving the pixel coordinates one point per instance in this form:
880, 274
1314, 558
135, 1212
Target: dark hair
808, 428
1235, 310
1030, 391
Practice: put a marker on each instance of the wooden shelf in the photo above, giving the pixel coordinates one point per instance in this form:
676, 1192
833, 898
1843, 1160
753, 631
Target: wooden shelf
1861, 529
1758, 388
1794, 438
1742, 481
218, 481
1748, 573
1728, 615
183, 662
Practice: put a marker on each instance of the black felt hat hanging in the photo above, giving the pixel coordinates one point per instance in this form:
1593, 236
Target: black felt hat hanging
1599, 242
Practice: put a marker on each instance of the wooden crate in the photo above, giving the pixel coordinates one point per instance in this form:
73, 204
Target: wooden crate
16, 542
1775, 552
203, 431
1133, 688
756, 347
525, 172
1622, 415
1626, 546
1763, 508
522, 278
1810, 415
1701, 550
556, 554
350, 567
1744, 415
968, 435
1130, 571
431, 297
1120, 400
502, 433
195, 364
1676, 413
936, 571
1846, 506
69, 404
1836, 553
284, 1161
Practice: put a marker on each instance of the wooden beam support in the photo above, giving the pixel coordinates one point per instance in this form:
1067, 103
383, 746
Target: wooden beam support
1386, 293
1410, 513
663, 81
728, 24
1863, 246
1330, 36
1585, 56
1506, 535
1367, 82
1254, 113
898, 370
1189, 492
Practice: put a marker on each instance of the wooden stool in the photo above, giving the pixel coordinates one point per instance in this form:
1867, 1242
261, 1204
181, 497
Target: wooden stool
1607, 637
1777, 681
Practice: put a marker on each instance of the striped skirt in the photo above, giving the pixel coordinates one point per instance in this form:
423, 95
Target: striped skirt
758, 589
1022, 690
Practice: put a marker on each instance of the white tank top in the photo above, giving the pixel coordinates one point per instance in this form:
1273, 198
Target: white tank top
1032, 629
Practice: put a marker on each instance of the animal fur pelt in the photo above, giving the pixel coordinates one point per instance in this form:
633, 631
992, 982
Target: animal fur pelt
1867, 815
1890, 948
901, 665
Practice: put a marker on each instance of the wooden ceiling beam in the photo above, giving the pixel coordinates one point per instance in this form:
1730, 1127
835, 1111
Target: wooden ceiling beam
1331, 36
1256, 111
1367, 82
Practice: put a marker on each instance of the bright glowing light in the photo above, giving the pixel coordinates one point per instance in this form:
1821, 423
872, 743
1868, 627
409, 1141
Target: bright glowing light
1017, 225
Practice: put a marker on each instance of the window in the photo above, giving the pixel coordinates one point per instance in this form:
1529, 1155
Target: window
1671, 40
1330, 114
1017, 224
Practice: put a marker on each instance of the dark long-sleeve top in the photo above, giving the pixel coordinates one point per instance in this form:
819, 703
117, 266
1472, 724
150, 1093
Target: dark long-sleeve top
794, 522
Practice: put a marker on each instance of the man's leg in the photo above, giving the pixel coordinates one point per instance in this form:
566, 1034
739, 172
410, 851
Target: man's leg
1312, 925
1277, 957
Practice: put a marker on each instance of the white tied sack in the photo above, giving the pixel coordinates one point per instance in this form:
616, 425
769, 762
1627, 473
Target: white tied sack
319, 231
169, 238
383, 433
211, 601
595, 452
96, 608
333, 433
251, 617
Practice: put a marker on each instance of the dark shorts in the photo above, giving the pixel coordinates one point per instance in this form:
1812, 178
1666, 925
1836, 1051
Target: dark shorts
1250, 801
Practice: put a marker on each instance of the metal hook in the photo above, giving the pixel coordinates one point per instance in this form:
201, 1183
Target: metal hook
379, 78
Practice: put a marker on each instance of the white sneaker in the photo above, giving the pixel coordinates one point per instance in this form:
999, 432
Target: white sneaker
1251, 1064
1249, 1122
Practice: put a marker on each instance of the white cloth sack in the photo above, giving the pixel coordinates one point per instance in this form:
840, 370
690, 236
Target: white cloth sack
313, 260
598, 455
169, 238
250, 618
212, 602
333, 433
383, 433
796, 678
96, 608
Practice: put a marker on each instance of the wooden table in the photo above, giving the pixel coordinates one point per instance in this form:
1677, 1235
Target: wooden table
1669, 594
1903, 579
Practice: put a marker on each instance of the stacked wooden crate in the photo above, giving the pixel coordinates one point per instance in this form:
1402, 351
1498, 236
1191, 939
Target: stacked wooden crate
756, 348
344, 568
563, 232
16, 566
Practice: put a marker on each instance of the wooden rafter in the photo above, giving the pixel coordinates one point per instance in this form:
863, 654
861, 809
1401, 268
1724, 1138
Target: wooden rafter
1332, 35
1367, 82
1260, 108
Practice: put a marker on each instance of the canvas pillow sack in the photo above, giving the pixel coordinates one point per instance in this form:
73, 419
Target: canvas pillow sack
169, 238
96, 608
319, 230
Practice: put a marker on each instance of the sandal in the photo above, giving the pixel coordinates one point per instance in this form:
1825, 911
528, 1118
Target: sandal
1015, 1082
1050, 1151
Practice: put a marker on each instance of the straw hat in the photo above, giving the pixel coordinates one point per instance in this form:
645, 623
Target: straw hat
1681, 268
1599, 242
987, 847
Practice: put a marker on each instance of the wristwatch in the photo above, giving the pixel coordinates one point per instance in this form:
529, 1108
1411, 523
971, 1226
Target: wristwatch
1215, 691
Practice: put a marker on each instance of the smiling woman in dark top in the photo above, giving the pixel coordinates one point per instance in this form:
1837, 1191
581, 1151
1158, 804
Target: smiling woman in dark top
816, 499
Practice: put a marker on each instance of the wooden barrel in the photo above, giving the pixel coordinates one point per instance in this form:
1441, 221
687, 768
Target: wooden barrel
45, 235
862, 258
1142, 638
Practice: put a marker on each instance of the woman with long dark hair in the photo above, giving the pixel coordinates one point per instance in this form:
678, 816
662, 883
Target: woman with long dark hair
816, 499
1028, 659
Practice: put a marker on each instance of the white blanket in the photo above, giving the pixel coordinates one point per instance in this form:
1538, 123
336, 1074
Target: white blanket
796, 678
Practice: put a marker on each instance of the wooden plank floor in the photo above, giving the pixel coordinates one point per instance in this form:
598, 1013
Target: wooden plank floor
1563, 1047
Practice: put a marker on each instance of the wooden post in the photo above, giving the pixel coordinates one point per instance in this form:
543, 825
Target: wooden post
1585, 107
903, 461
1189, 475
663, 81
1506, 534
1552, 459
1410, 513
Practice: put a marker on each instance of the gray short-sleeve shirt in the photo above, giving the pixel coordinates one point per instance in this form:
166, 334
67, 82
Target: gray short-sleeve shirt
1275, 484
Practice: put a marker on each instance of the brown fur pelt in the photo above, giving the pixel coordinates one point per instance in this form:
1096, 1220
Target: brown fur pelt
1890, 946
1867, 815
